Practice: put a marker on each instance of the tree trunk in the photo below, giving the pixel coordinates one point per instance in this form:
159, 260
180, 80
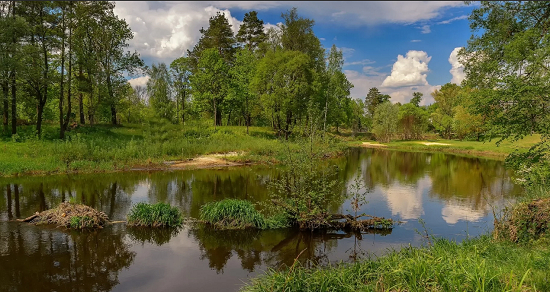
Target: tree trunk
228, 117
13, 104
81, 99
5, 120
39, 112
69, 105
61, 93
113, 115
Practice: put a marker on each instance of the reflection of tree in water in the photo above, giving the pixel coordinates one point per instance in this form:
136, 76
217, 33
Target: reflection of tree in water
38, 259
273, 248
158, 236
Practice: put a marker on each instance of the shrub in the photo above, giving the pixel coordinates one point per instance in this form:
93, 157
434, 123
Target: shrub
232, 214
524, 221
155, 215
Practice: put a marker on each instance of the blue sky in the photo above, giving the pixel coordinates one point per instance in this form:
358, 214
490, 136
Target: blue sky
371, 34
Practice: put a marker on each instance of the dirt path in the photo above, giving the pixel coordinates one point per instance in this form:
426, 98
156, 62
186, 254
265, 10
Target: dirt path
434, 143
373, 145
205, 161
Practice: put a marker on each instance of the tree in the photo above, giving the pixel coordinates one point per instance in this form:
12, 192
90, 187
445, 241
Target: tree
112, 57
159, 89
338, 89
446, 99
384, 121
413, 121
282, 80
507, 65
210, 83
373, 99
251, 32
181, 74
417, 98
219, 36
240, 93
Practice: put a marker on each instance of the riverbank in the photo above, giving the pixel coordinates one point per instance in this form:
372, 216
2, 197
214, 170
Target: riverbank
487, 149
161, 146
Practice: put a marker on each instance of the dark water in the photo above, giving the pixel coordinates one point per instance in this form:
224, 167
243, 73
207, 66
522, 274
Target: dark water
453, 195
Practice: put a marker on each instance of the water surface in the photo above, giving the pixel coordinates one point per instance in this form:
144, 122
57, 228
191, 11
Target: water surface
454, 196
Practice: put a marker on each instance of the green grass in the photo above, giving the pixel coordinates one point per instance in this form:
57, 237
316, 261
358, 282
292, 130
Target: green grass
155, 215
102, 148
477, 264
80, 222
473, 148
238, 214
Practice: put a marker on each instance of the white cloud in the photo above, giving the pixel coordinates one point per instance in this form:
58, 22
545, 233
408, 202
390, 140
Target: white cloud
453, 19
415, 41
164, 31
139, 81
425, 29
457, 69
322, 39
409, 70
361, 62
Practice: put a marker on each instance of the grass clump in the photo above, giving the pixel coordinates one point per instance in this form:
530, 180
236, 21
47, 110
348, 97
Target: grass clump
477, 264
155, 215
71, 215
238, 214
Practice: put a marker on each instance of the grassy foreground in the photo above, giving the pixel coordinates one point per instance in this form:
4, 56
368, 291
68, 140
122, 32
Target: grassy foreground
477, 264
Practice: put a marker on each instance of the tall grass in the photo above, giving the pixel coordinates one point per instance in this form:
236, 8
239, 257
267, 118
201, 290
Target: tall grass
105, 148
155, 215
474, 265
238, 214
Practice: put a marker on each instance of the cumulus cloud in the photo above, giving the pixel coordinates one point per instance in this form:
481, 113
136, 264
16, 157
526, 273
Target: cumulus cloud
425, 29
139, 81
164, 31
457, 69
409, 70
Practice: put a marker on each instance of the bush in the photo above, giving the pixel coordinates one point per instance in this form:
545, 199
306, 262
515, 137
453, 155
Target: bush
155, 215
524, 221
239, 214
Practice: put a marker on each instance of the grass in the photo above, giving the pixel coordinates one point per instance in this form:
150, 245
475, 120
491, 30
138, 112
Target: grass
104, 148
476, 264
474, 148
155, 215
238, 214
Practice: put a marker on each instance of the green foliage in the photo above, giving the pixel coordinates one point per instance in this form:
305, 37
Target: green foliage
473, 265
159, 90
373, 99
384, 122
155, 215
251, 32
79, 222
304, 189
413, 121
524, 222
238, 214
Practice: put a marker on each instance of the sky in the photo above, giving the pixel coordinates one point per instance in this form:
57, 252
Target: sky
398, 47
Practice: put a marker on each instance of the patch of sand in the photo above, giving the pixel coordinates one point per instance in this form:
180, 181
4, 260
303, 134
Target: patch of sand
434, 143
205, 161
369, 144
